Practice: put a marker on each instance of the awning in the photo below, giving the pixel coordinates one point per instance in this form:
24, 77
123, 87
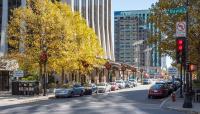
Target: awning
9, 65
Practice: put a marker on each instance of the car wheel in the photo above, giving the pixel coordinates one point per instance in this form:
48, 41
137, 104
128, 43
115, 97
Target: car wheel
72, 94
81, 93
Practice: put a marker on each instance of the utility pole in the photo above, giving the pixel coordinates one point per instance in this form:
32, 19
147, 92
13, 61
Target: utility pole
188, 97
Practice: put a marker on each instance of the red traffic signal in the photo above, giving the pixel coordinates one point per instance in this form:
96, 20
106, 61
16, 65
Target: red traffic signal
180, 49
180, 45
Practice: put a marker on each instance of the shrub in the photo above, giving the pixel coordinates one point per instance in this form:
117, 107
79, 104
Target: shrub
66, 86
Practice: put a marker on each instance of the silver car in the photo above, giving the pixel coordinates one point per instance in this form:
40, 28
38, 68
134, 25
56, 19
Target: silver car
121, 84
63, 92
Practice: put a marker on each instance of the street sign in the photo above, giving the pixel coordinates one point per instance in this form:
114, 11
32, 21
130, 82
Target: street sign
18, 73
172, 71
181, 29
177, 10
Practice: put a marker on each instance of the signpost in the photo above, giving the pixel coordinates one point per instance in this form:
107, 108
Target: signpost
181, 29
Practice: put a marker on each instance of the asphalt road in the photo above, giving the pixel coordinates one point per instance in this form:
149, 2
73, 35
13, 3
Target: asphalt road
128, 101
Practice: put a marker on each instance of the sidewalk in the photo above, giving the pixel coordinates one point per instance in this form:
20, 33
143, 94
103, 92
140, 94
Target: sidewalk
6, 100
177, 105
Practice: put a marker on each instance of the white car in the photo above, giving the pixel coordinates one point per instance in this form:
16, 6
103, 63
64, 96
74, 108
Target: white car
103, 87
134, 82
121, 84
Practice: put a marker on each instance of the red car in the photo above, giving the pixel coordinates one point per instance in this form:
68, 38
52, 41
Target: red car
114, 86
158, 90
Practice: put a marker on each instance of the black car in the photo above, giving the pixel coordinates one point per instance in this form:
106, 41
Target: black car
90, 89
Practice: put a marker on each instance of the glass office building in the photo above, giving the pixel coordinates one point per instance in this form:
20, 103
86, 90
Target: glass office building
131, 31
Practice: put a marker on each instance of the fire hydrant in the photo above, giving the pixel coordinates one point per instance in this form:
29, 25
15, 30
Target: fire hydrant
173, 96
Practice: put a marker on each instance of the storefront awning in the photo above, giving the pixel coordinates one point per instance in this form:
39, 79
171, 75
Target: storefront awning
9, 65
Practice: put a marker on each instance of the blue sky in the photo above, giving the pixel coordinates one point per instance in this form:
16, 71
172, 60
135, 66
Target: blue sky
121, 5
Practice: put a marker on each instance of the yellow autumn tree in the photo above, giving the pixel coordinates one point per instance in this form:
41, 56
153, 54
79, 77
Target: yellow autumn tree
52, 26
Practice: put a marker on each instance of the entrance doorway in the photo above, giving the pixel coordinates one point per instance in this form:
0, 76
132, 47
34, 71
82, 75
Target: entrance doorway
4, 80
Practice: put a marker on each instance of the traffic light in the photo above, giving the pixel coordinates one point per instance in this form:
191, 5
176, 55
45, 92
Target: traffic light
180, 50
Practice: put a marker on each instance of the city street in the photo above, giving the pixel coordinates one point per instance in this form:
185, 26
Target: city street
126, 101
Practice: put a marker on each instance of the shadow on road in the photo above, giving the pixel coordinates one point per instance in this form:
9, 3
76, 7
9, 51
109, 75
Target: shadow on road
127, 102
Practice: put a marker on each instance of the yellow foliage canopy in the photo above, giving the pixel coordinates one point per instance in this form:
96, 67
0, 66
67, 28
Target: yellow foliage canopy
65, 35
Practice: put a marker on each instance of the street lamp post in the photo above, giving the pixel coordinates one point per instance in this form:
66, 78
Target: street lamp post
43, 60
123, 69
134, 72
141, 70
188, 97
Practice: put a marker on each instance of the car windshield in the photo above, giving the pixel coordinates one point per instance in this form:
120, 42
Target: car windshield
118, 81
101, 84
132, 80
112, 83
156, 86
160, 82
77, 85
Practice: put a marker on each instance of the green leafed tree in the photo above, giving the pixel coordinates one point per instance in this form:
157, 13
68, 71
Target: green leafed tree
166, 24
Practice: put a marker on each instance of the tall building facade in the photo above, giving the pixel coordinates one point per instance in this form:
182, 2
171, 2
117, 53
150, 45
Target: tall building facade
98, 16
5, 8
131, 31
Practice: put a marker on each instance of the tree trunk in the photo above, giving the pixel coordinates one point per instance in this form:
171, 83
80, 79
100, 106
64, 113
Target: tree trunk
62, 76
40, 79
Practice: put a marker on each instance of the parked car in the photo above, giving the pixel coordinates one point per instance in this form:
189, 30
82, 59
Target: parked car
114, 86
90, 89
158, 90
172, 87
128, 84
63, 92
146, 81
103, 87
78, 89
134, 82
169, 85
120, 83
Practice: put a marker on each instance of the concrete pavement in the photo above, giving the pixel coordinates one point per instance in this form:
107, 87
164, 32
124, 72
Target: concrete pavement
177, 105
7, 100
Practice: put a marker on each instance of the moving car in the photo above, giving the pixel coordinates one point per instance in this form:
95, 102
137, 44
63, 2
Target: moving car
158, 90
90, 89
103, 87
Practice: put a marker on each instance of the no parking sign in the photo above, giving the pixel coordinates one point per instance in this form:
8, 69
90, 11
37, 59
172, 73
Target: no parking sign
181, 29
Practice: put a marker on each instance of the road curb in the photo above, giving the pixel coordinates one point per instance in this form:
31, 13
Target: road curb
162, 105
176, 109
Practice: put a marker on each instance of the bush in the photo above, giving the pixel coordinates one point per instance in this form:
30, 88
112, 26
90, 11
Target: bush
66, 86
30, 78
